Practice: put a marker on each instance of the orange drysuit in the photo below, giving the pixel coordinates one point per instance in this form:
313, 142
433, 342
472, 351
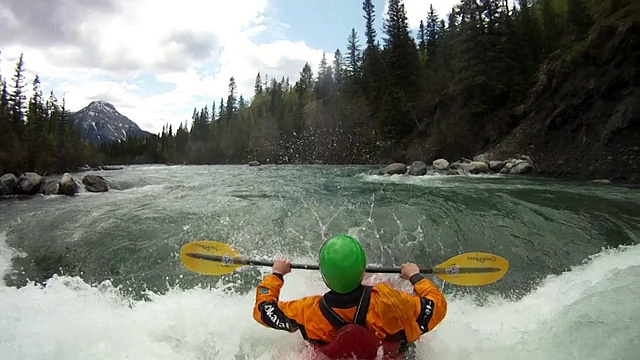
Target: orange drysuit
391, 314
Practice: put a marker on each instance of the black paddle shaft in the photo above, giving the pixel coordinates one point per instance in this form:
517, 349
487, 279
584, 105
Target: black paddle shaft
230, 260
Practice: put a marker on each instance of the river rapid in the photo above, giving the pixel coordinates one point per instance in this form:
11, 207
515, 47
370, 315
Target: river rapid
98, 276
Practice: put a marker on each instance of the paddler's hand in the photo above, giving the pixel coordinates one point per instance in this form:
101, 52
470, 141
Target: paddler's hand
408, 270
282, 266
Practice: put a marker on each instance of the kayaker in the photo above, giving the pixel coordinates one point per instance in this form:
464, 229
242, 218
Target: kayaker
395, 318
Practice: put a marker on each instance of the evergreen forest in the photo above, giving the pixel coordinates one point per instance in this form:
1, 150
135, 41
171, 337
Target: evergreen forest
445, 88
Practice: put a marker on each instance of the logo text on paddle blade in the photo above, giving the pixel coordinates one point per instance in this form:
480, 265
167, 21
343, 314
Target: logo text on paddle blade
208, 247
482, 259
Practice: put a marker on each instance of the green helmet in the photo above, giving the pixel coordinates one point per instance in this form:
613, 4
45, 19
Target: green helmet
342, 263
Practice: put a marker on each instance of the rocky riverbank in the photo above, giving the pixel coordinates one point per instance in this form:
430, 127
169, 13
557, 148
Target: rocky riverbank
30, 183
583, 116
481, 164
580, 120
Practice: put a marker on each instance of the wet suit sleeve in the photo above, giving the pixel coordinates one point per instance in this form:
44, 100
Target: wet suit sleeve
430, 307
271, 312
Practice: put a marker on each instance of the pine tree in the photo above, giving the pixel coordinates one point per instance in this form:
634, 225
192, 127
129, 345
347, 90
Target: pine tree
432, 33
373, 67
322, 69
422, 38
5, 118
232, 106
35, 126
402, 71
369, 16
305, 84
338, 67
221, 110
530, 39
199, 125
354, 56
579, 18
324, 84
17, 97
258, 86
550, 26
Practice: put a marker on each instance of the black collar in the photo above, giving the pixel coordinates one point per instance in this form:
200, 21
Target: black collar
344, 301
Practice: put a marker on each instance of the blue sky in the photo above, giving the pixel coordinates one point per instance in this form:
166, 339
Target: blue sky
156, 61
321, 24
326, 24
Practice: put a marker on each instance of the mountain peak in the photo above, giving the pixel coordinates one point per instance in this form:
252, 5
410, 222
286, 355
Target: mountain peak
100, 103
101, 122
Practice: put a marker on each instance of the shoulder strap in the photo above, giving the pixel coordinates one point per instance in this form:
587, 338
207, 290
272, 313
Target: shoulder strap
335, 320
363, 307
361, 311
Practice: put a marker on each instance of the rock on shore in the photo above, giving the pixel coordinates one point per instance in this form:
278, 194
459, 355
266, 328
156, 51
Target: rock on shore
519, 164
31, 183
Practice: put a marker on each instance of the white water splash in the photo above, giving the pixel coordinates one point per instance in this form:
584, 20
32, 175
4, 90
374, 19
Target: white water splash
588, 313
428, 180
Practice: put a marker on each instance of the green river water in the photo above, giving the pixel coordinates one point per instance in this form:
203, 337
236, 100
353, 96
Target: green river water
97, 276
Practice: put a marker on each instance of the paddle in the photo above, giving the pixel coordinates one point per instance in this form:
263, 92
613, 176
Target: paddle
468, 269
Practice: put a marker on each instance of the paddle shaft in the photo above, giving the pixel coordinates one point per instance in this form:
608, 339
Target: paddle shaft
228, 260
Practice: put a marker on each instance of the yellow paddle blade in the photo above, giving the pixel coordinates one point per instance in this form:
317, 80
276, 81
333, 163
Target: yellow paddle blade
472, 269
209, 248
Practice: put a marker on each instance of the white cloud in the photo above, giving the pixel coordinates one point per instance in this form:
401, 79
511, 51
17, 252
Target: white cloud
277, 59
191, 47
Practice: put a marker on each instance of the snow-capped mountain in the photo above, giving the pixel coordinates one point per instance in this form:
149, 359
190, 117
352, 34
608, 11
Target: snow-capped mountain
101, 122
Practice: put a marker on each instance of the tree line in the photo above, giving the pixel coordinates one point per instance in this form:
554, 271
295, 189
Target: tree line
35, 133
444, 89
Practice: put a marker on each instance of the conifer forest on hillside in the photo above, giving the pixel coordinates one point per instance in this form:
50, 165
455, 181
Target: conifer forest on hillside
457, 87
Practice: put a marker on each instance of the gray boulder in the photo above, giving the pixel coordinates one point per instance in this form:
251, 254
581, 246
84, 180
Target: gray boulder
394, 169
8, 184
522, 168
418, 168
49, 187
67, 185
29, 183
95, 183
473, 167
441, 164
496, 166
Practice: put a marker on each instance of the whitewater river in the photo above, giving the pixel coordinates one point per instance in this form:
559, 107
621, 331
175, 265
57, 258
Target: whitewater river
98, 276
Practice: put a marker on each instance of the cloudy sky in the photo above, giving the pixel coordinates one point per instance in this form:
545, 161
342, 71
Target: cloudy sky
157, 60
